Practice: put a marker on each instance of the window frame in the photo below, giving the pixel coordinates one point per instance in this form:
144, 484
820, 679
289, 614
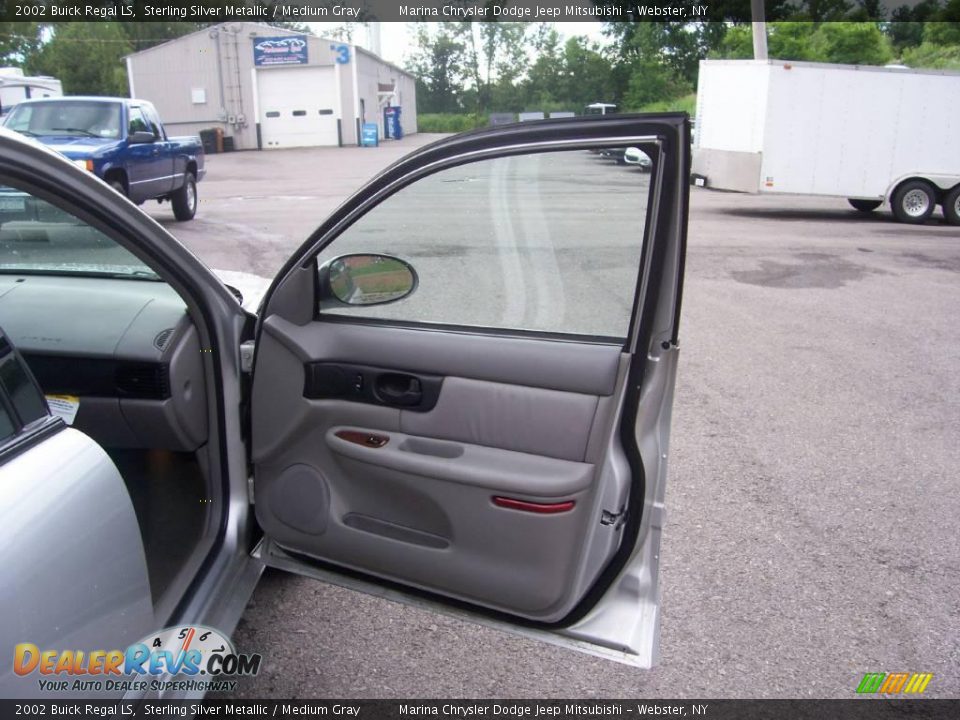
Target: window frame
651, 145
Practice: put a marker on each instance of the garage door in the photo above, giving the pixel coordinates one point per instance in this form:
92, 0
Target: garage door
297, 106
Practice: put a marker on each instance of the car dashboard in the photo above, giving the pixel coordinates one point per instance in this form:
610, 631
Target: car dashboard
126, 350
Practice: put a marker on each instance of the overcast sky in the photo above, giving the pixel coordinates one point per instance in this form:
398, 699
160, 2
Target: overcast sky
396, 39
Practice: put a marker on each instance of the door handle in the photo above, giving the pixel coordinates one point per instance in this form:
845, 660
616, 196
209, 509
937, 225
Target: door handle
399, 389
374, 385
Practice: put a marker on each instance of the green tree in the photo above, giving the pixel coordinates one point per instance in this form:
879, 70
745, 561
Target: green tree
944, 27
905, 28
500, 58
439, 65
941, 41
586, 74
785, 41
18, 41
86, 57
854, 43
652, 82
928, 55
544, 86
851, 43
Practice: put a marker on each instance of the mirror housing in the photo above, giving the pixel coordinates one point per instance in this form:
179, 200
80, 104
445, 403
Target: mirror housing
141, 137
362, 279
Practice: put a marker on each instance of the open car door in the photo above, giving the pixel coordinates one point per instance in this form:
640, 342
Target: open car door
463, 382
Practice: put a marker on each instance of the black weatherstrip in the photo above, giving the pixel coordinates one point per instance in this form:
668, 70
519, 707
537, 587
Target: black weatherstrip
667, 210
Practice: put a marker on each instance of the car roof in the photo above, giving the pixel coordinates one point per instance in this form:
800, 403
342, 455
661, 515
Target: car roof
84, 98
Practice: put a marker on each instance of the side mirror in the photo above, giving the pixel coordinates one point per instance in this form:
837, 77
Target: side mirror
636, 156
366, 279
141, 137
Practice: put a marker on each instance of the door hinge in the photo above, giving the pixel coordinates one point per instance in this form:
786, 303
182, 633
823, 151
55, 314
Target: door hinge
246, 355
250, 493
616, 519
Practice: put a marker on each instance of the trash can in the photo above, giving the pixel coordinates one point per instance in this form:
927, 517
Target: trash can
391, 123
208, 138
212, 140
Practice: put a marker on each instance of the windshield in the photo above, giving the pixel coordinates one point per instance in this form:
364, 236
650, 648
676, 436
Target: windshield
39, 238
67, 118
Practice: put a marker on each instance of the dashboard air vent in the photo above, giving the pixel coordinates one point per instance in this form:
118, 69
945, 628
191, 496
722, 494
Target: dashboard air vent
147, 381
160, 341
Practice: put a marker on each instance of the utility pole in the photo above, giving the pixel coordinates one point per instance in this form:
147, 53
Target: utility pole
758, 16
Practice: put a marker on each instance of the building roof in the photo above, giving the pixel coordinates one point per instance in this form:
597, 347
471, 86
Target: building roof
379, 59
258, 26
273, 30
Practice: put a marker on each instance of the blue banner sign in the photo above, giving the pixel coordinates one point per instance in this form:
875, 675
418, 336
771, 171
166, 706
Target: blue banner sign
286, 50
370, 135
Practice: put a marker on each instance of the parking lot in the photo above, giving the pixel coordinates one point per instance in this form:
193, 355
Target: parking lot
813, 499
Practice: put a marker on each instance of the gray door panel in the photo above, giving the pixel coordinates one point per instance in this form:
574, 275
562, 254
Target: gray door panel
421, 508
550, 423
579, 367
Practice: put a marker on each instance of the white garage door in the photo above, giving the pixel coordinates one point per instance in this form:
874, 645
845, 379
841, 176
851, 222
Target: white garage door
297, 106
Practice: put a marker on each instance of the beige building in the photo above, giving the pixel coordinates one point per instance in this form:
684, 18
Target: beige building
270, 88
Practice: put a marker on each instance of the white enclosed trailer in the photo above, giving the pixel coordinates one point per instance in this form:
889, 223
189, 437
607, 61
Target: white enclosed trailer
869, 134
15, 87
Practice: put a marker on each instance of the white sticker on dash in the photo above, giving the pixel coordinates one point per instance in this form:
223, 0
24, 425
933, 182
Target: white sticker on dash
64, 406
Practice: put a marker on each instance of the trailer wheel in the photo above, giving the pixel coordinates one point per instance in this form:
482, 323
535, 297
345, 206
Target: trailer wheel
865, 206
914, 201
951, 206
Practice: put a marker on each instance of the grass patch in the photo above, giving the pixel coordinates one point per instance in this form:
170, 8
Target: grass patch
687, 104
449, 122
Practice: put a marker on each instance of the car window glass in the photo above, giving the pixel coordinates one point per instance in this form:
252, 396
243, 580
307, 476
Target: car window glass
544, 242
155, 127
138, 122
27, 400
36, 236
67, 118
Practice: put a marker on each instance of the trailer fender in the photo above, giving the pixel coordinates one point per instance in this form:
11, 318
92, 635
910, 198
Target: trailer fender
942, 182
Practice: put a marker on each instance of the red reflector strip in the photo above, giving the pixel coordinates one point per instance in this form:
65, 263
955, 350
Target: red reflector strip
541, 508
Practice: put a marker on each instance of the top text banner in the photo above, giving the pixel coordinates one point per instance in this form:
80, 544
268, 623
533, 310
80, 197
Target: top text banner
268, 11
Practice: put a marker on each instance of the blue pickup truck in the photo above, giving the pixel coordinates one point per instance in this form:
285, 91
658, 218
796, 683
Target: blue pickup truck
122, 141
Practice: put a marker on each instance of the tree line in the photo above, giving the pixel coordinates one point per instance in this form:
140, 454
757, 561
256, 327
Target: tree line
473, 69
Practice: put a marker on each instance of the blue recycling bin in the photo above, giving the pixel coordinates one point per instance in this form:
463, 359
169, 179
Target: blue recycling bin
369, 135
391, 123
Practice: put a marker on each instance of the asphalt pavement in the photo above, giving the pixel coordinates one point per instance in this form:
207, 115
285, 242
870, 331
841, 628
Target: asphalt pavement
812, 506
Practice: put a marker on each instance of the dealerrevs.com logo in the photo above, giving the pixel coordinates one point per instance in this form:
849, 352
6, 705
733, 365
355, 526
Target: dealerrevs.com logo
186, 657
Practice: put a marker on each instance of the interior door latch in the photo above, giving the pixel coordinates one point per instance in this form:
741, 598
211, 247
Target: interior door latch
246, 356
607, 517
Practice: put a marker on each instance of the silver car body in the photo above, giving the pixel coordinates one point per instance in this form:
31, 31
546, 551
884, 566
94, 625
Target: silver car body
68, 524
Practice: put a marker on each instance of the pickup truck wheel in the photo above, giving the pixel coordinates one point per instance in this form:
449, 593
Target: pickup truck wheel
184, 199
118, 186
913, 202
951, 206
864, 206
